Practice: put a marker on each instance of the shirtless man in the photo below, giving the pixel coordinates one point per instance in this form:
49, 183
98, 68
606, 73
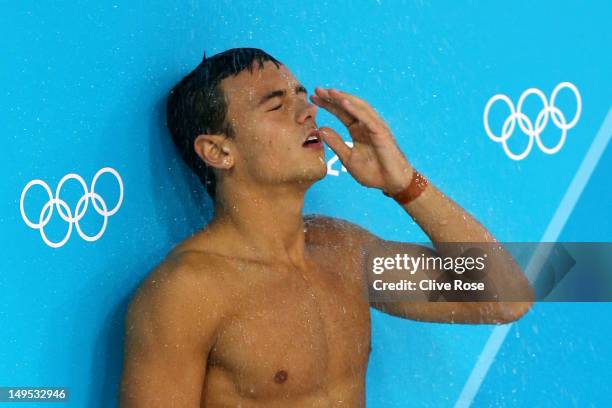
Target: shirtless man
265, 307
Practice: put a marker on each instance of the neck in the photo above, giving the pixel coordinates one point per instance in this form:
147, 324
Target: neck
267, 222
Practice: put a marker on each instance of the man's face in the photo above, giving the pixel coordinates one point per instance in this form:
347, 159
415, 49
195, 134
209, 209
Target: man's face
271, 118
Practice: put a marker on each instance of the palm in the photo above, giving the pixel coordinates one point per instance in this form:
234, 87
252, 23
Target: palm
375, 159
364, 166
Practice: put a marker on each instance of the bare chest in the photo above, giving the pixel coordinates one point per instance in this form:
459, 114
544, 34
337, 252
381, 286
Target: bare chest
298, 334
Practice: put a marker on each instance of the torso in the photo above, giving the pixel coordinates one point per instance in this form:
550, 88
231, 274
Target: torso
294, 338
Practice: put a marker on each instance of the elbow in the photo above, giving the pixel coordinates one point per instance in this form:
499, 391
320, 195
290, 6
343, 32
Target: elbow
512, 310
508, 312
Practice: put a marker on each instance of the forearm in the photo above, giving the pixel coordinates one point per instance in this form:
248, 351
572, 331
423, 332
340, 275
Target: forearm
447, 224
376, 161
443, 220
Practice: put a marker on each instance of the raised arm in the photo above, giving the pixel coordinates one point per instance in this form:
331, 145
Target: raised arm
451, 229
169, 329
501, 272
376, 161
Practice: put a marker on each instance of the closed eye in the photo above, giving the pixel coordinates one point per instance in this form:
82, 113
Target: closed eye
277, 108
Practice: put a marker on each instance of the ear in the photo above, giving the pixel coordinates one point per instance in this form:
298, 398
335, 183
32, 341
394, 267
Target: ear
214, 150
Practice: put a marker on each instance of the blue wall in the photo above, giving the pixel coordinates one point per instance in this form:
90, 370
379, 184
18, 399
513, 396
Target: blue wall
84, 87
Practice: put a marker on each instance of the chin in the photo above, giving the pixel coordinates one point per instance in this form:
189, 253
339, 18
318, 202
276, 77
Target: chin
313, 174
320, 171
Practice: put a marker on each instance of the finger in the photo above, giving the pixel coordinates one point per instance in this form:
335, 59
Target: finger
338, 95
357, 109
362, 116
358, 102
361, 109
348, 117
334, 108
334, 96
352, 116
335, 142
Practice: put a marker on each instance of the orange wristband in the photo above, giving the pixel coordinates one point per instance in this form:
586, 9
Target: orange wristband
415, 188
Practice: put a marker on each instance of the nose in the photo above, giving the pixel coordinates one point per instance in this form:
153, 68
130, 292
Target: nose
309, 111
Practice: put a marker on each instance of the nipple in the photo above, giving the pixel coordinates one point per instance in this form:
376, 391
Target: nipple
280, 376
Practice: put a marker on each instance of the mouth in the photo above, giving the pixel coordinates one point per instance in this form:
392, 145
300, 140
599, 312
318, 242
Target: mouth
313, 140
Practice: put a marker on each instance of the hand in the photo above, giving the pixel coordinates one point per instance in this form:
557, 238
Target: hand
375, 159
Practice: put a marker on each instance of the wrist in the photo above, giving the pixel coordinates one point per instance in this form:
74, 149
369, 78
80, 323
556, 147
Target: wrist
401, 184
415, 186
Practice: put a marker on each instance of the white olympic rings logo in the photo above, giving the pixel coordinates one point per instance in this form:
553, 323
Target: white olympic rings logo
527, 126
65, 212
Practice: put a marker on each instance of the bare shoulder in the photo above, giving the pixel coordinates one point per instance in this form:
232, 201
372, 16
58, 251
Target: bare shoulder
185, 287
323, 229
185, 271
172, 323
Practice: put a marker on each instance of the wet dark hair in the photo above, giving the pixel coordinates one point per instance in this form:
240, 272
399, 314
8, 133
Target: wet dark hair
197, 105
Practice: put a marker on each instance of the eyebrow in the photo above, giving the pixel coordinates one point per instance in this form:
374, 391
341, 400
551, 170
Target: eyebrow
280, 92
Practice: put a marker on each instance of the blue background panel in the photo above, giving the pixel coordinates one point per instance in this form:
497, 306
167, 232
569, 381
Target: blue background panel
84, 88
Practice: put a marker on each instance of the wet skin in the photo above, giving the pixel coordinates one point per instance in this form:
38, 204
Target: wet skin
283, 336
265, 308
259, 317
297, 337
